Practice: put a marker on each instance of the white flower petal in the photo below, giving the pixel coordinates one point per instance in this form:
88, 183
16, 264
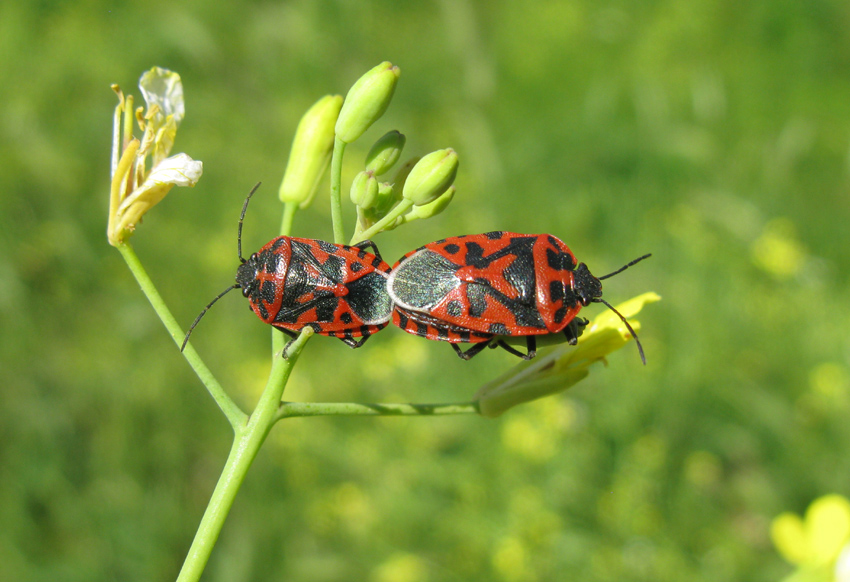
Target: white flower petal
180, 170
164, 88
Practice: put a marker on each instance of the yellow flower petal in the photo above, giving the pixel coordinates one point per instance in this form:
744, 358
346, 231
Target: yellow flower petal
789, 537
827, 528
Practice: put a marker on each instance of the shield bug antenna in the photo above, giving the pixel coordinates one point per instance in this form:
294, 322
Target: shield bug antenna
620, 315
242, 260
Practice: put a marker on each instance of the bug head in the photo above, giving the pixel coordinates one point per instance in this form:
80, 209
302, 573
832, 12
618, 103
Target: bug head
586, 287
246, 276
589, 290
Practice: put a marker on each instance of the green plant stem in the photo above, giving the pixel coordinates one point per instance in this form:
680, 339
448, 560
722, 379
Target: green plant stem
295, 409
247, 443
336, 186
397, 211
289, 210
231, 410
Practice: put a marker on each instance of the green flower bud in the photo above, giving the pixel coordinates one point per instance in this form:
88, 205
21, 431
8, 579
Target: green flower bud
366, 101
385, 153
386, 198
404, 172
434, 207
431, 177
384, 202
311, 151
364, 190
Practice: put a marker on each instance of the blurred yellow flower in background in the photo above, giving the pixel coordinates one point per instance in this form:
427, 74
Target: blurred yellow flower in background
816, 543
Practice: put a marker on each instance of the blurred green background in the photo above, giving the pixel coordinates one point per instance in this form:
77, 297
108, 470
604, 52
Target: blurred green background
715, 135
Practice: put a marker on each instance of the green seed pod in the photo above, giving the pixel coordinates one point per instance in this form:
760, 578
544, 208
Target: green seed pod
403, 173
431, 176
311, 151
364, 190
366, 101
385, 153
434, 207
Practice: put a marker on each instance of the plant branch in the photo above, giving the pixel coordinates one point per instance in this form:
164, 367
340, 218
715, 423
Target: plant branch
336, 186
231, 410
391, 216
295, 409
289, 210
246, 445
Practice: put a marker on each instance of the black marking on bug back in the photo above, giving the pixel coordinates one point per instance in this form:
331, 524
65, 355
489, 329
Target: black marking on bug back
451, 248
281, 240
424, 281
402, 318
355, 267
498, 329
346, 318
520, 273
264, 313
267, 291
326, 308
559, 293
421, 329
559, 260
268, 261
476, 294
329, 248
525, 312
333, 269
454, 308
368, 298
494, 235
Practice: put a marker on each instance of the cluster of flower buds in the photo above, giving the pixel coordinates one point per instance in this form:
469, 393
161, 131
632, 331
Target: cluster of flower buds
421, 188
135, 188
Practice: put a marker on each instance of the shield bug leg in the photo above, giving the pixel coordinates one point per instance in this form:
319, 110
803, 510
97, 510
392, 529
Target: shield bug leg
353, 343
574, 330
368, 244
531, 348
471, 352
284, 353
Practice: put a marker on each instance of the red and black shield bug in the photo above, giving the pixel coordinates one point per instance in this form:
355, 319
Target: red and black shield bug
482, 288
291, 283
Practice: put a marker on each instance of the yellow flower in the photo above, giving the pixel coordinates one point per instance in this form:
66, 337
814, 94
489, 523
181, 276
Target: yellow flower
135, 188
563, 366
815, 543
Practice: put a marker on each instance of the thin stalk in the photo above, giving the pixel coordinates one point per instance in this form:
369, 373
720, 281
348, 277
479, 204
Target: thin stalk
397, 211
247, 443
336, 186
295, 409
289, 210
231, 410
